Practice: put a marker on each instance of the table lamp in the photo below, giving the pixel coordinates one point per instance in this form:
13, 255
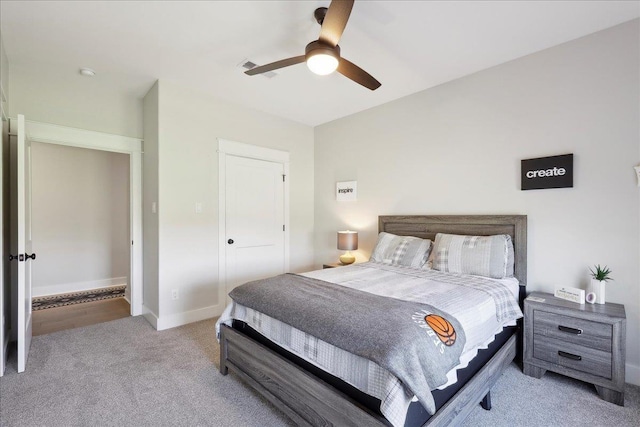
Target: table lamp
347, 241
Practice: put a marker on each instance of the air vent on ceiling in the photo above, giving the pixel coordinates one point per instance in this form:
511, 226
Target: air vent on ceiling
247, 65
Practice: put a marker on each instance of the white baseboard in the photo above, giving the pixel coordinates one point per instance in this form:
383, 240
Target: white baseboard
179, 319
66, 288
150, 316
5, 352
632, 374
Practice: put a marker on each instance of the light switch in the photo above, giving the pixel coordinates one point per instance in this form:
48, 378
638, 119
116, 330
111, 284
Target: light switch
198, 207
154, 207
637, 168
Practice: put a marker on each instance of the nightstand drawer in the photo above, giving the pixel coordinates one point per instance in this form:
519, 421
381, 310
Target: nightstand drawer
574, 356
574, 330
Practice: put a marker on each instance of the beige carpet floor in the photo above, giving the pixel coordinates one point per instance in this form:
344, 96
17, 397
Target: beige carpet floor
124, 373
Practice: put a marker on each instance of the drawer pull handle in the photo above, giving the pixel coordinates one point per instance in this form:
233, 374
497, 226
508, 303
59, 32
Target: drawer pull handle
574, 331
569, 355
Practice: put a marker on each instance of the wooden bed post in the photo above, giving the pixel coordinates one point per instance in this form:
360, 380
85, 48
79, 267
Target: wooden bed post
224, 370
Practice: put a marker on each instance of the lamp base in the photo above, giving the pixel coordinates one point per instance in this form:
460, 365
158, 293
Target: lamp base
347, 258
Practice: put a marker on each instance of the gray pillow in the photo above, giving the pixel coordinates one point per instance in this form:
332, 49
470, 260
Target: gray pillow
489, 256
406, 251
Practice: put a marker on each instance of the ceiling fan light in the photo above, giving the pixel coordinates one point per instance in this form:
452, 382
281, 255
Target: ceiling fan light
322, 63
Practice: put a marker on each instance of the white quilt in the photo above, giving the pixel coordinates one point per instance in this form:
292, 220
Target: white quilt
467, 298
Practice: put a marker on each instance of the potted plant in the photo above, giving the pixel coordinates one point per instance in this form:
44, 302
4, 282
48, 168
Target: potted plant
600, 276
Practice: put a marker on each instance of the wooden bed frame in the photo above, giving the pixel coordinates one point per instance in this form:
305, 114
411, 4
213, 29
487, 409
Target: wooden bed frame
309, 401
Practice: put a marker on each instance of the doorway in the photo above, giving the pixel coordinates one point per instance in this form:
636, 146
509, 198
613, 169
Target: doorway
80, 222
24, 133
253, 214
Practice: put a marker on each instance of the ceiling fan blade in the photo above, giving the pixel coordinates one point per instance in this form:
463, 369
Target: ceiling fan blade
357, 74
275, 65
334, 21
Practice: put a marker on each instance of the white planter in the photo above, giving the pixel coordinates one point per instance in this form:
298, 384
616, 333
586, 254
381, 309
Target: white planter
598, 287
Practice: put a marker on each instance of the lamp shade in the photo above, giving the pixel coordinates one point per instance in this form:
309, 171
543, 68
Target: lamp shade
347, 240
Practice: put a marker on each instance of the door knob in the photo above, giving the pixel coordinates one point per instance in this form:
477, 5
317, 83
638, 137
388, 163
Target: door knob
32, 256
230, 241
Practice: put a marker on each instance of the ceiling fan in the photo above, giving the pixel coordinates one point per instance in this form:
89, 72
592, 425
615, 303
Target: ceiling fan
323, 55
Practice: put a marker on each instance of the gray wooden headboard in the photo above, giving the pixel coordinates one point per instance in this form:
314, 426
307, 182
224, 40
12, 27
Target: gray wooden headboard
426, 227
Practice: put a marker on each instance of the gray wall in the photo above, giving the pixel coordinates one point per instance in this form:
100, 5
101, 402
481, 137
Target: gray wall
64, 97
5, 287
149, 196
80, 218
189, 124
4, 77
456, 149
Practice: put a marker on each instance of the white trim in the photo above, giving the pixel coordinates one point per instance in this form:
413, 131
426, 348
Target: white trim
135, 202
73, 137
252, 151
179, 319
287, 228
151, 317
239, 149
3, 117
4, 333
632, 374
23, 302
67, 288
5, 349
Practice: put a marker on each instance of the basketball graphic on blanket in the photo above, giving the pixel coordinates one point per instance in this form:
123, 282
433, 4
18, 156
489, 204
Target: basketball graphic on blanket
442, 327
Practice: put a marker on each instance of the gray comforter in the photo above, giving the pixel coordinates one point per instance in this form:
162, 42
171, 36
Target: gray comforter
416, 342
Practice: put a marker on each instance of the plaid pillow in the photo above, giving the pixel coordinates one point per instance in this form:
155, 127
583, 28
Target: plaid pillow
407, 251
489, 256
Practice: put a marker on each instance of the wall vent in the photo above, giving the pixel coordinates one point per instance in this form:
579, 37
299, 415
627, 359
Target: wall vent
247, 65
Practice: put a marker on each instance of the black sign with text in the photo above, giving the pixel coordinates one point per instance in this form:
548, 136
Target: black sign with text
547, 172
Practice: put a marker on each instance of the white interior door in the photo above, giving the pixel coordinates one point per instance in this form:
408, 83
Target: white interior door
3, 322
255, 219
21, 251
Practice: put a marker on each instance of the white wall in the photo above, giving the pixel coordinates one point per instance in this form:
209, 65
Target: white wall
46, 93
80, 218
189, 125
4, 80
456, 149
150, 196
5, 287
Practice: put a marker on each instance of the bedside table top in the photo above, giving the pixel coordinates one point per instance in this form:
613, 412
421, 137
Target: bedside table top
609, 309
336, 264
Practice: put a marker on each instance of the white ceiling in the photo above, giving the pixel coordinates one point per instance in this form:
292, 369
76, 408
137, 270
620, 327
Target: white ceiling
408, 46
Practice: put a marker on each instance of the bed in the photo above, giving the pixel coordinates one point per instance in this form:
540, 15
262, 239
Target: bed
310, 396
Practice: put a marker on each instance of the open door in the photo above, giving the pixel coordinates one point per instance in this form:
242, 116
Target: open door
4, 323
21, 255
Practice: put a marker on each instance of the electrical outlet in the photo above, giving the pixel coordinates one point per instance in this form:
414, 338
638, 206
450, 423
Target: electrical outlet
174, 294
198, 207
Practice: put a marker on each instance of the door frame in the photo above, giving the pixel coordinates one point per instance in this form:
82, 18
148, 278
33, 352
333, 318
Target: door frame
4, 321
81, 138
239, 149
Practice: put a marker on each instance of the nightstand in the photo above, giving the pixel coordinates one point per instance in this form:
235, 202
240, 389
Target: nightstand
582, 341
333, 265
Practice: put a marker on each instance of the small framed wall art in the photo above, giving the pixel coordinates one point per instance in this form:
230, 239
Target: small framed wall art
347, 191
547, 172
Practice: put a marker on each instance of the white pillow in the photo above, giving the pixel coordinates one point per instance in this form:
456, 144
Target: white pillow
406, 251
489, 256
